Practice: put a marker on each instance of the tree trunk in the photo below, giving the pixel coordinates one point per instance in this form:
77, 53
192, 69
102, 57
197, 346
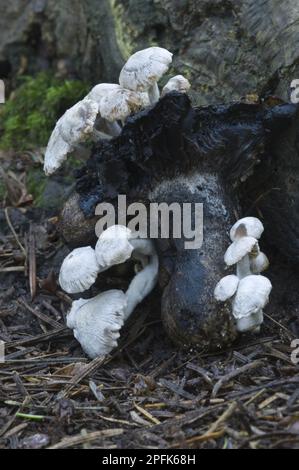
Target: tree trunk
227, 49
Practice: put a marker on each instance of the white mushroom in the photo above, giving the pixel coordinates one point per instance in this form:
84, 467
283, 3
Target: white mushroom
144, 69
79, 270
119, 104
98, 92
252, 227
96, 322
226, 288
90, 318
177, 83
249, 292
238, 253
251, 297
73, 127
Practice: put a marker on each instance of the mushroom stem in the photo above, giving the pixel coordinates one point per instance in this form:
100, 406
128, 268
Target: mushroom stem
98, 135
243, 267
154, 93
144, 282
251, 322
114, 128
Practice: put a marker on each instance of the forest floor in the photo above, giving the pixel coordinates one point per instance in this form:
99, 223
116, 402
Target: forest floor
148, 393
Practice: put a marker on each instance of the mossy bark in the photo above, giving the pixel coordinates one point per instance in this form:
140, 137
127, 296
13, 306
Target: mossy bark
227, 49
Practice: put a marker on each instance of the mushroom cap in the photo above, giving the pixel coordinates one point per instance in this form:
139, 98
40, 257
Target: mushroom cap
252, 295
113, 246
98, 92
259, 263
56, 152
79, 270
253, 228
177, 83
96, 322
226, 287
144, 68
240, 248
73, 127
119, 104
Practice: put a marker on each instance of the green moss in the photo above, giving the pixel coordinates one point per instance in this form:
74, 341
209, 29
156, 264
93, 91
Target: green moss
28, 117
36, 183
123, 31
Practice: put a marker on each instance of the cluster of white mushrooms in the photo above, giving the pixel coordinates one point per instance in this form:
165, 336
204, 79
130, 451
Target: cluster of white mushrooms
104, 110
248, 290
97, 321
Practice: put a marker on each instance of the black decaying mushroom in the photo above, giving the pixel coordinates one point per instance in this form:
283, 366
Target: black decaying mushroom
173, 152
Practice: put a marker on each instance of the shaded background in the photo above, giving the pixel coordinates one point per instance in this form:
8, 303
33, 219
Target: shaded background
226, 48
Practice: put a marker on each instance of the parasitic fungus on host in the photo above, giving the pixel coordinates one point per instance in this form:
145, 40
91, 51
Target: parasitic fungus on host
220, 156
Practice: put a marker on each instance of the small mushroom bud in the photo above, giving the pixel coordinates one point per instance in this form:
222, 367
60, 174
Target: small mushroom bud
258, 263
177, 83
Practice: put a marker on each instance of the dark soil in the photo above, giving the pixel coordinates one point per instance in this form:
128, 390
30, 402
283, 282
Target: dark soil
149, 393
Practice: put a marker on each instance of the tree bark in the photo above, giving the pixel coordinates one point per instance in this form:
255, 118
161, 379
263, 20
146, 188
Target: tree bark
227, 49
